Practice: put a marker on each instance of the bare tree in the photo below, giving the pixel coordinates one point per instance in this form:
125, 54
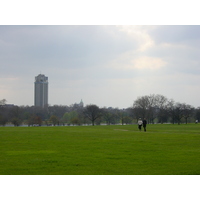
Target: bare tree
146, 107
188, 111
197, 114
152, 108
171, 110
92, 112
3, 102
161, 103
179, 112
140, 105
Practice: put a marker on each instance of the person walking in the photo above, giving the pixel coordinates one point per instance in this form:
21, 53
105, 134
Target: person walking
144, 123
139, 124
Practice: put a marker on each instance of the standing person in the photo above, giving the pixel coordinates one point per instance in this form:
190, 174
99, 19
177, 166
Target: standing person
140, 124
144, 124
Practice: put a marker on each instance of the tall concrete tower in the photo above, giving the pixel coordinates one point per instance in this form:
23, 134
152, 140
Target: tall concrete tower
41, 90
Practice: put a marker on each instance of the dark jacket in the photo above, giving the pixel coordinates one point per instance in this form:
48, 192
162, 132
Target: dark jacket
144, 122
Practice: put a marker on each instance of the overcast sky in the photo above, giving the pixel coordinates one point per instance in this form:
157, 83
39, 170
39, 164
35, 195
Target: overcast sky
102, 65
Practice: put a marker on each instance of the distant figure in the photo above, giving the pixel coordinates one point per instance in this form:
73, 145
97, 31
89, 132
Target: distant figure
144, 124
140, 124
196, 122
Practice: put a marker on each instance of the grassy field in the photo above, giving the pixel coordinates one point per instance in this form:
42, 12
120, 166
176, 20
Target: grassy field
100, 150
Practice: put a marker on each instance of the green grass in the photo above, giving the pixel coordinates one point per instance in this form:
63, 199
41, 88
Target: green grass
162, 150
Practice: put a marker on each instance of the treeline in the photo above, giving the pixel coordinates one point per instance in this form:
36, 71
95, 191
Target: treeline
155, 108
162, 110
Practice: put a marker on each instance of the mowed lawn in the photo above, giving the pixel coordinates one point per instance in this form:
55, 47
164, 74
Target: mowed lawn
100, 150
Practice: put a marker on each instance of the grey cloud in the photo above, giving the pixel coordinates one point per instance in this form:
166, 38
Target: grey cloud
178, 46
53, 46
175, 34
80, 62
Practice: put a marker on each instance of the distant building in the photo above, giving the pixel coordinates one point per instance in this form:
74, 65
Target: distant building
77, 106
41, 90
81, 104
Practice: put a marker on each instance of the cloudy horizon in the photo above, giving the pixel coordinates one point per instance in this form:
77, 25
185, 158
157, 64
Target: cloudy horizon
103, 65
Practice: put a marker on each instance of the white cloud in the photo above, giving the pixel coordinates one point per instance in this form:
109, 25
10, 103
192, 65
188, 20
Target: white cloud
139, 34
130, 61
146, 62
